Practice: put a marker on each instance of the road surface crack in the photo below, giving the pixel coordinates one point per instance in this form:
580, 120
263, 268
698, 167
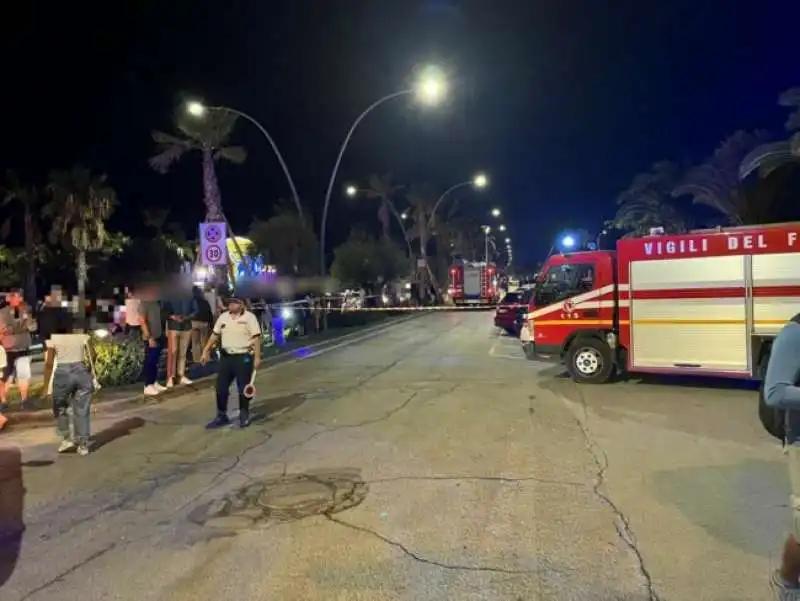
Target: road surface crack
621, 522
467, 478
94, 556
419, 558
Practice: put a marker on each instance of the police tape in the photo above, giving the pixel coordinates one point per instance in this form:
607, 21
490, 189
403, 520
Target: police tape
389, 309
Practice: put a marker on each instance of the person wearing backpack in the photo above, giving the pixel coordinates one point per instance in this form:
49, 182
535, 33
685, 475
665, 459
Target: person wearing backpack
779, 411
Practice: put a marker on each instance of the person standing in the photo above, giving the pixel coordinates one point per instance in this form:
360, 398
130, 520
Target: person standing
16, 325
153, 333
132, 319
781, 391
180, 311
202, 320
48, 321
239, 335
72, 385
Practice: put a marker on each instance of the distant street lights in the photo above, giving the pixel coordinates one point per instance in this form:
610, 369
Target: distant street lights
479, 182
502, 228
430, 90
200, 110
496, 212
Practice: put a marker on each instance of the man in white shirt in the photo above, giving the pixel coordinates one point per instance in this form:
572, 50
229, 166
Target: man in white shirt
239, 335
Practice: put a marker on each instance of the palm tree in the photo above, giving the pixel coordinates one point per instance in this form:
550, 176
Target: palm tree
80, 205
27, 197
381, 188
716, 183
422, 200
209, 136
647, 202
10, 260
286, 240
765, 158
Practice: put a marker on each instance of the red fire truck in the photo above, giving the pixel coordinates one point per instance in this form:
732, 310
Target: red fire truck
705, 303
473, 283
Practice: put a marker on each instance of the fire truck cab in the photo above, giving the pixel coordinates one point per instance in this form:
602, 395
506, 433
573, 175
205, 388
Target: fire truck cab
709, 302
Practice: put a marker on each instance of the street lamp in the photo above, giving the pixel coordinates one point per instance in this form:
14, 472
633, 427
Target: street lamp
479, 182
502, 228
351, 191
199, 110
495, 212
508, 240
430, 89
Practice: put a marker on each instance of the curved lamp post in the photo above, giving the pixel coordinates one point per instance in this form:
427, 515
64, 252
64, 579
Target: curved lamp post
429, 90
198, 109
478, 182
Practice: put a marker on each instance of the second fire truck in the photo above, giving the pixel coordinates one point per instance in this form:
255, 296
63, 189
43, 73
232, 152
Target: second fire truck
705, 303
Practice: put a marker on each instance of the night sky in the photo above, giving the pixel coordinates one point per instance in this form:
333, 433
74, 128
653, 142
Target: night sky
562, 103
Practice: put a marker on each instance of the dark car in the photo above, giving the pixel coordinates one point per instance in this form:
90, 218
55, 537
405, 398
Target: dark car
512, 307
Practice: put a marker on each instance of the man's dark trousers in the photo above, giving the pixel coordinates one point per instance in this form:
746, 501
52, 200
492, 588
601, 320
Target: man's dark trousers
233, 367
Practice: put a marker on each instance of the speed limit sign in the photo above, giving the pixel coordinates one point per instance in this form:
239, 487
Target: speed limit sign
213, 254
213, 237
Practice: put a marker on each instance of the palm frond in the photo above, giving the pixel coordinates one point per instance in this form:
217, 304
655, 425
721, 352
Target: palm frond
211, 131
235, 154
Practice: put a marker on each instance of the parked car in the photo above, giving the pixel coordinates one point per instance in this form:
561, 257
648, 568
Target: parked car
511, 310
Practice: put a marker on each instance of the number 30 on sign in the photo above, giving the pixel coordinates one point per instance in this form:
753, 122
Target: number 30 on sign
213, 250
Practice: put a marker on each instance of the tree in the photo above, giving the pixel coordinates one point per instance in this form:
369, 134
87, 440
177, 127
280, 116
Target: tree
286, 240
209, 135
11, 260
765, 158
80, 205
648, 202
170, 239
716, 184
363, 261
27, 198
382, 189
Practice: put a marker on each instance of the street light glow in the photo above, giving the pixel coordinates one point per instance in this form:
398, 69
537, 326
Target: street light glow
196, 109
487, 229
431, 87
508, 240
404, 216
502, 228
480, 181
351, 191
495, 212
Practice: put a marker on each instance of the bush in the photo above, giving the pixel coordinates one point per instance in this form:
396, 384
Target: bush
117, 360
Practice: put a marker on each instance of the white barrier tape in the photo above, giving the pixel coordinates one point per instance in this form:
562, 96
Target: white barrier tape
432, 308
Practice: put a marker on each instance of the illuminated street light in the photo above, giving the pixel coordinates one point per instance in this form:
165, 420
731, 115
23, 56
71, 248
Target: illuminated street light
480, 181
502, 228
351, 191
430, 89
403, 215
487, 229
495, 212
196, 109
508, 240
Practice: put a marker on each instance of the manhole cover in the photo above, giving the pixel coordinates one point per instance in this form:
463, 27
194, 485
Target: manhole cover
282, 499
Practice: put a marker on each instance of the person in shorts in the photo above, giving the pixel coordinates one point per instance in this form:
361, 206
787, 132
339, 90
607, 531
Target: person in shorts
781, 391
16, 325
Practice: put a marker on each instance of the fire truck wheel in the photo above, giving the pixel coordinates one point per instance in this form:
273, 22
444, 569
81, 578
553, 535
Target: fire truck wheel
590, 361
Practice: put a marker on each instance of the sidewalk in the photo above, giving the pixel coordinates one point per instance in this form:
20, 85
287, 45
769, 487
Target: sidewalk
120, 398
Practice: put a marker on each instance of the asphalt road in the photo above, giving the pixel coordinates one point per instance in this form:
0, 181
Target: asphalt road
445, 466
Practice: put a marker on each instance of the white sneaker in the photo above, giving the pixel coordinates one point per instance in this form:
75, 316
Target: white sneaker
184, 381
151, 390
66, 445
170, 383
159, 387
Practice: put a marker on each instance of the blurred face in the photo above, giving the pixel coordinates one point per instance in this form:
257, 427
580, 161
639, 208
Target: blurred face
235, 306
15, 299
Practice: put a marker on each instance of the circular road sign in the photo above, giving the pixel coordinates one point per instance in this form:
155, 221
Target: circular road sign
213, 253
213, 233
